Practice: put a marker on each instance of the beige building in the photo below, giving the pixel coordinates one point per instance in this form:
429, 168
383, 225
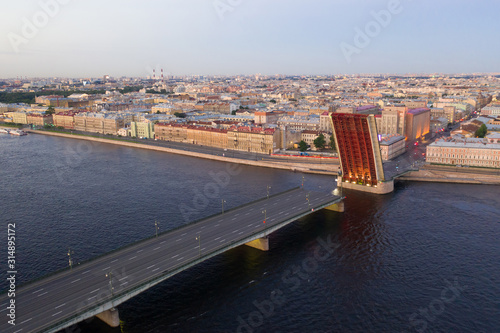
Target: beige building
458, 150
39, 119
19, 117
170, 132
391, 146
65, 119
207, 136
98, 122
254, 139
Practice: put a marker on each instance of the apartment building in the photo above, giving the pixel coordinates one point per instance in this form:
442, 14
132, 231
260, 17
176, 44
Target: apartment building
458, 150
39, 119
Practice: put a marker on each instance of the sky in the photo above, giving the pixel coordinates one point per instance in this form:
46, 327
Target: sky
92, 38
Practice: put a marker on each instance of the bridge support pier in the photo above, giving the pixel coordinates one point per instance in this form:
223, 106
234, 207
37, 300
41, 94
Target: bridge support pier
110, 317
336, 207
260, 244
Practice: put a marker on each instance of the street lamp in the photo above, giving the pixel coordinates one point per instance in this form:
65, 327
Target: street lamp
157, 226
198, 238
265, 215
302, 181
223, 201
70, 252
308, 202
268, 188
110, 281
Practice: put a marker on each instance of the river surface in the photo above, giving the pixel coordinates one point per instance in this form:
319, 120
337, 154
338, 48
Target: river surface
422, 259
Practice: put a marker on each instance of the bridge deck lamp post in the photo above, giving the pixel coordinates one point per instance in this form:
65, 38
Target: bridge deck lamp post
198, 238
223, 201
308, 201
156, 227
265, 215
70, 260
302, 181
110, 282
268, 188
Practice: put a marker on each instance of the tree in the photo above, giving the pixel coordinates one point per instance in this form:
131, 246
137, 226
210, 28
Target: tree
302, 145
50, 110
320, 141
273, 101
180, 115
481, 131
158, 112
233, 112
332, 142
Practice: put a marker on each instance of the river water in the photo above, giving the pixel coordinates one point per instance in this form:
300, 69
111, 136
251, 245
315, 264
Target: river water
422, 259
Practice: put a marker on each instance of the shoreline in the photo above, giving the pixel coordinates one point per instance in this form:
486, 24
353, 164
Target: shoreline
287, 166
428, 173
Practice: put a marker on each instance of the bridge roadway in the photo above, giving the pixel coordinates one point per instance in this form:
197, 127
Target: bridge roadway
70, 296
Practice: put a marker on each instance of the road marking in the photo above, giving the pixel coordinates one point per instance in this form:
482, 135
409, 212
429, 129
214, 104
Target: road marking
93, 291
203, 227
217, 238
106, 268
217, 225
155, 269
237, 214
180, 258
123, 278
24, 322
294, 207
156, 248
163, 242
281, 213
240, 233
175, 256
132, 258
124, 283
37, 291
86, 272
235, 231
18, 330
75, 280
139, 251
256, 226
55, 314
203, 249
150, 266
179, 239
233, 219
88, 299
184, 234
274, 204
114, 260
59, 306
222, 241
43, 294
247, 213
271, 220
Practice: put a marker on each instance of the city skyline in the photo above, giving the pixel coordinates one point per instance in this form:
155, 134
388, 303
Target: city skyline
228, 37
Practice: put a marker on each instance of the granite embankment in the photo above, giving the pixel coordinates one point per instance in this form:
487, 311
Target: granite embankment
316, 168
453, 174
